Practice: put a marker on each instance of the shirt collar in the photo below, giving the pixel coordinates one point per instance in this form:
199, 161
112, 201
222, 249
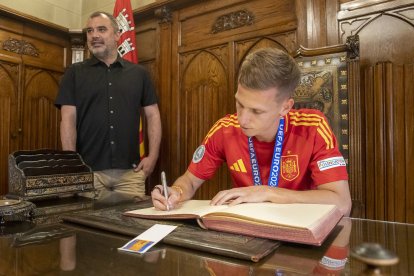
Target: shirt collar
94, 61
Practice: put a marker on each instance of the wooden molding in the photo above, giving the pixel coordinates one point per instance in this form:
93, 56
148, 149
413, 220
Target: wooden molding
351, 46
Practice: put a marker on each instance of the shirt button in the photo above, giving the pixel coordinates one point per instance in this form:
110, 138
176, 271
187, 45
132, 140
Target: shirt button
112, 112
111, 127
112, 142
110, 83
110, 97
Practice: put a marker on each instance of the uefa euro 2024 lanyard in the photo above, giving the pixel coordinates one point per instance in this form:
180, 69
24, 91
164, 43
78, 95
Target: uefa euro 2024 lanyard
277, 153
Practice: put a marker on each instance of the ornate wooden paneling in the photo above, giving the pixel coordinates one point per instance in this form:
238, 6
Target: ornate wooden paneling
204, 99
389, 102
406, 164
9, 79
386, 35
147, 36
188, 28
285, 41
208, 73
41, 119
229, 20
317, 26
386, 32
31, 63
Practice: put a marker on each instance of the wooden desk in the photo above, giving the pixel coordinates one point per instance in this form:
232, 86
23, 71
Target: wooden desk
84, 251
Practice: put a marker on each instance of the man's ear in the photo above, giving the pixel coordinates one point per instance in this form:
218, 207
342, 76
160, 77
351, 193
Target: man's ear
117, 36
287, 106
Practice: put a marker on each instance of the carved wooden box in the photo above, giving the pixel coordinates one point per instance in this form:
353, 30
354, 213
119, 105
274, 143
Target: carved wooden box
38, 174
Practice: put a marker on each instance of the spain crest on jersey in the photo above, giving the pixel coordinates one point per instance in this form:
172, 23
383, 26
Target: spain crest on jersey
290, 167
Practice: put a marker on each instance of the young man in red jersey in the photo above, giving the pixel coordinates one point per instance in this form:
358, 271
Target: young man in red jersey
274, 153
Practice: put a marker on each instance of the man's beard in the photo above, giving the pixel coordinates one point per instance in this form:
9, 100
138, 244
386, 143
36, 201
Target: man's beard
99, 53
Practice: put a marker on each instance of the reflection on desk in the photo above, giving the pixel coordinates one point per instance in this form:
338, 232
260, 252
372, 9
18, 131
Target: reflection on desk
92, 252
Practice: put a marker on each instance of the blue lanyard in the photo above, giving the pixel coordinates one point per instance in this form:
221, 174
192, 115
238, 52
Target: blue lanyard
277, 154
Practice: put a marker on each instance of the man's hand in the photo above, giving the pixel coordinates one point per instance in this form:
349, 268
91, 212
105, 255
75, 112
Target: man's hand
160, 202
147, 165
336, 192
239, 195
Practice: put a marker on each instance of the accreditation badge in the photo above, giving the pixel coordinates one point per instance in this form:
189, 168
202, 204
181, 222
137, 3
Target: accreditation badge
290, 167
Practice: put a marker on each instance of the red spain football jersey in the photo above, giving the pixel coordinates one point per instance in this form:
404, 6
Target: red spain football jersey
310, 154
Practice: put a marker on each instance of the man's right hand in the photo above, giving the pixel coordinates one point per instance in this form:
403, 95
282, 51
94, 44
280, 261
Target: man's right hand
160, 202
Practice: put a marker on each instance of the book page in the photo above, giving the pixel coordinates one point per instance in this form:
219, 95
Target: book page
195, 208
293, 215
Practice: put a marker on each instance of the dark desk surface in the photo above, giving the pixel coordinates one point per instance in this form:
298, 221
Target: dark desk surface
65, 249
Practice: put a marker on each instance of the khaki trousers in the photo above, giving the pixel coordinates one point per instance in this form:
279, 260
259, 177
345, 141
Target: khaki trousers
117, 185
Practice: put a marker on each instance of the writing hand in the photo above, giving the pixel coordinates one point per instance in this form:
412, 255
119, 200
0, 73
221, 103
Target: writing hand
159, 201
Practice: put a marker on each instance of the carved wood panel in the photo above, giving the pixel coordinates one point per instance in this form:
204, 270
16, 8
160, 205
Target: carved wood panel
31, 63
205, 98
232, 20
386, 36
389, 133
41, 119
9, 77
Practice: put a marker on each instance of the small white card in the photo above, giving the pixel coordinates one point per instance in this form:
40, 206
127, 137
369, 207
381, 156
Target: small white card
148, 239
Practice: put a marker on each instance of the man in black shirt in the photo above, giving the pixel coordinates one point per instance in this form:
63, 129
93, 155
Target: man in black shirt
100, 100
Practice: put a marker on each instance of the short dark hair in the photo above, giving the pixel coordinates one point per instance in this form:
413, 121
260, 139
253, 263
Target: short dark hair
111, 18
270, 67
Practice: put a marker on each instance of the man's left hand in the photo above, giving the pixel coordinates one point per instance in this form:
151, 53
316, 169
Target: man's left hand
239, 195
147, 165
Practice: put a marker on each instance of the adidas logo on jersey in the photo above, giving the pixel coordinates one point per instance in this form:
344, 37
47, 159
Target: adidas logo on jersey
238, 166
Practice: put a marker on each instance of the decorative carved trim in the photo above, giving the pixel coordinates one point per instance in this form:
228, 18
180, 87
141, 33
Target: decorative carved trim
77, 39
352, 44
406, 14
164, 15
352, 25
232, 21
20, 47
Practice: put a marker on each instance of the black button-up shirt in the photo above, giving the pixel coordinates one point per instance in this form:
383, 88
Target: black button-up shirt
108, 102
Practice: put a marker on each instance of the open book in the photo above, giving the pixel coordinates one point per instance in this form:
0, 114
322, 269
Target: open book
299, 223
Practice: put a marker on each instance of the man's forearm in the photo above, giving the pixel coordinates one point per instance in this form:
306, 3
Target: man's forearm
154, 135
67, 136
154, 138
188, 184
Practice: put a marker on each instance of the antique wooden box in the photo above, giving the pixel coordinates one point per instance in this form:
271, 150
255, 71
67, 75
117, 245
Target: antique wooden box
39, 174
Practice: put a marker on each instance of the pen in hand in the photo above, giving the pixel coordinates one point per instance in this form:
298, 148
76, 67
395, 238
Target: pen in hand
164, 187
